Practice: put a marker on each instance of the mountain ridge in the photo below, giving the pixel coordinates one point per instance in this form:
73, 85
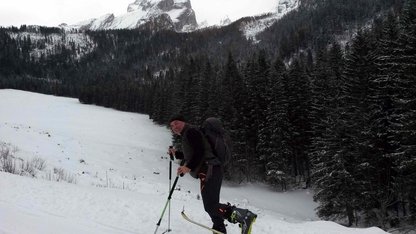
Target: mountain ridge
176, 15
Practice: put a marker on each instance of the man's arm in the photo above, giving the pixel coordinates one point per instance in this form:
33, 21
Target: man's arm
195, 140
179, 155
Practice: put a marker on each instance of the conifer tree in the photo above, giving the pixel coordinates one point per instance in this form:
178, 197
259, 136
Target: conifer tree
274, 134
257, 79
320, 88
207, 87
188, 88
234, 99
360, 150
326, 104
383, 132
406, 59
342, 177
298, 92
229, 78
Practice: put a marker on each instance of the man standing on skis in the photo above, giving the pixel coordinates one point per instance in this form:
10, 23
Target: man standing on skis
201, 163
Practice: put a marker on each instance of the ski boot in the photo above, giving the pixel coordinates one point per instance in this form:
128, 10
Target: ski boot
244, 217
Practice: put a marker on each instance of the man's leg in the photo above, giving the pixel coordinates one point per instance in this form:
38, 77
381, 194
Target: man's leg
210, 192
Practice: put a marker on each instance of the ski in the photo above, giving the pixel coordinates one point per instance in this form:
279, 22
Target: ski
199, 224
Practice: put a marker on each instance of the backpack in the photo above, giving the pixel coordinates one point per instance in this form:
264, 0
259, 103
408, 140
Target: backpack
218, 138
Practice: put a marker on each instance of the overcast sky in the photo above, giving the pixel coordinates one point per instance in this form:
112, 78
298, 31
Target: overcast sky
55, 12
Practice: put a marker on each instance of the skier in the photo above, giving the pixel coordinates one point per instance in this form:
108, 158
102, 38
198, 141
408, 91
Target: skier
201, 163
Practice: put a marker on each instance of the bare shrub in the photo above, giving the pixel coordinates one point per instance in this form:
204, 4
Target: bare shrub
7, 160
39, 163
30, 168
9, 165
59, 174
27, 169
4, 151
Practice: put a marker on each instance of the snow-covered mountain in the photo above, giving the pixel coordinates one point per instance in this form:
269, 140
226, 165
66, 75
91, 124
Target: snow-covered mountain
177, 15
252, 28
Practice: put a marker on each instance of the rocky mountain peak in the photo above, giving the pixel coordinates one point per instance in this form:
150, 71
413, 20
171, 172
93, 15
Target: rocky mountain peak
176, 15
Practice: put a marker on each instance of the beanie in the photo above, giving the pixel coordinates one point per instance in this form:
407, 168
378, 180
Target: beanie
177, 117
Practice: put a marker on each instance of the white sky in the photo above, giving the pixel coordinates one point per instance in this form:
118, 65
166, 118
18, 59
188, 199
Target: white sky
55, 12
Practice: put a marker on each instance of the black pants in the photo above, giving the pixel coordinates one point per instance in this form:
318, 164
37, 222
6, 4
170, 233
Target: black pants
210, 192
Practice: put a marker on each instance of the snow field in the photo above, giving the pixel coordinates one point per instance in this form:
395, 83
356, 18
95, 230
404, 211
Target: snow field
120, 164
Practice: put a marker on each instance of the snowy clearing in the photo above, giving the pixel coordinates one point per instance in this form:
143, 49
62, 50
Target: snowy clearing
118, 160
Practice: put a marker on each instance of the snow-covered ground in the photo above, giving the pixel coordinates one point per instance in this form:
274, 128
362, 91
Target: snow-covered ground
119, 162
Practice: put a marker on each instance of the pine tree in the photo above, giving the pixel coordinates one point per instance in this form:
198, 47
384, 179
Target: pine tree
383, 132
342, 178
257, 85
274, 135
188, 88
320, 103
229, 80
331, 178
326, 105
206, 104
234, 99
406, 60
298, 93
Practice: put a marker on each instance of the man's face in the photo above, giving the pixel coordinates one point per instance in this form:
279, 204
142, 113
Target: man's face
177, 126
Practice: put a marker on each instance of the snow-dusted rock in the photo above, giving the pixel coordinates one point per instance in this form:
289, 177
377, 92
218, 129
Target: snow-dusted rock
254, 27
177, 15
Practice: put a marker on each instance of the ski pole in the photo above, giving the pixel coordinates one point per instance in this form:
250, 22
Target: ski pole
167, 202
172, 157
170, 183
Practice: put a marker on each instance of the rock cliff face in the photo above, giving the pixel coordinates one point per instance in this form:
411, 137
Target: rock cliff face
285, 6
254, 26
176, 15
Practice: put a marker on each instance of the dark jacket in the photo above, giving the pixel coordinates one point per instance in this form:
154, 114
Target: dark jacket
196, 149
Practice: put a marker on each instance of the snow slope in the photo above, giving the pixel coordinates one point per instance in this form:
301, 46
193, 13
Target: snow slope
119, 162
251, 29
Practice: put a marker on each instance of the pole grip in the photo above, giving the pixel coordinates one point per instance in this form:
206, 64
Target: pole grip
171, 154
170, 170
